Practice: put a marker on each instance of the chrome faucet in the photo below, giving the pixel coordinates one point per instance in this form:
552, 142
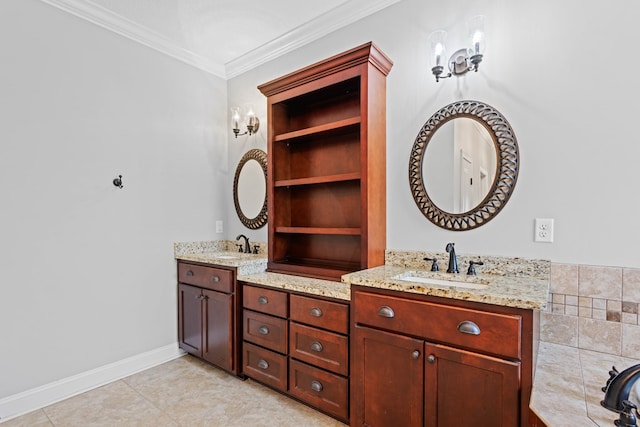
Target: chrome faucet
616, 393
247, 246
453, 262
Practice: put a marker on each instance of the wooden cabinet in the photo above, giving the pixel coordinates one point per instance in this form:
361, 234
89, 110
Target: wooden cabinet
326, 165
207, 314
299, 345
429, 362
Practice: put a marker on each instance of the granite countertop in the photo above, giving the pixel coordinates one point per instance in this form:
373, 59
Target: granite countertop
511, 291
305, 285
244, 263
567, 385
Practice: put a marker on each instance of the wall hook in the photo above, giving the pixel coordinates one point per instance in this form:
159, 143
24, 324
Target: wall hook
118, 181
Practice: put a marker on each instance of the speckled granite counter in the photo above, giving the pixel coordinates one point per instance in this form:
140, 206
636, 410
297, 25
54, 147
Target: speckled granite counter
220, 253
306, 285
566, 387
510, 291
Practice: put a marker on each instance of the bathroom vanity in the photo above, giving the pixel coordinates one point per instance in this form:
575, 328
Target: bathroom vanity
439, 349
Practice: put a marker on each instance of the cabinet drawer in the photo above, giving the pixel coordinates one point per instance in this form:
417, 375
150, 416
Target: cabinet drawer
265, 300
320, 348
323, 314
488, 332
264, 330
216, 279
327, 392
265, 366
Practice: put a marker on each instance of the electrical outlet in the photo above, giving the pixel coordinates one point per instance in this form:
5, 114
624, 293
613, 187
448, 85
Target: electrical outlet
544, 230
219, 226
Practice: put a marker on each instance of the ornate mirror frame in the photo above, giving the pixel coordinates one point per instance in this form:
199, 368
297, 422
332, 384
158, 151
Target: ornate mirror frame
506, 174
261, 219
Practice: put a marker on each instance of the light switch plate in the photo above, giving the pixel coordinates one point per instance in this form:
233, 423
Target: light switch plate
219, 226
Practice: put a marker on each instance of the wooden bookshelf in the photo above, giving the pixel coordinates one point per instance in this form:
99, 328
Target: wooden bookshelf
327, 165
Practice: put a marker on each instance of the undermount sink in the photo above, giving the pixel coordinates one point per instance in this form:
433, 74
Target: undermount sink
419, 277
226, 256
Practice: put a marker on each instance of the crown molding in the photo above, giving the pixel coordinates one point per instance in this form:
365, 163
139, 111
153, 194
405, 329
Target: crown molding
339, 17
120, 25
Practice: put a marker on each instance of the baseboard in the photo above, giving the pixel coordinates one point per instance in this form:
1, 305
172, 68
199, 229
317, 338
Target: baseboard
39, 397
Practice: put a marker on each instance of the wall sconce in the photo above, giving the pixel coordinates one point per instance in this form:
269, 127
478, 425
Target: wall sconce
251, 120
462, 60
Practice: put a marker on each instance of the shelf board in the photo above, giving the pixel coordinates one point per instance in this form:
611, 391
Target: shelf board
317, 130
320, 269
318, 179
343, 231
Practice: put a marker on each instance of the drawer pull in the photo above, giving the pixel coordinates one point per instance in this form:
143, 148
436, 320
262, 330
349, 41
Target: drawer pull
415, 354
263, 300
431, 358
386, 311
189, 273
315, 312
316, 346
316, 386
263, 364
263, 330
468, 327
215, 278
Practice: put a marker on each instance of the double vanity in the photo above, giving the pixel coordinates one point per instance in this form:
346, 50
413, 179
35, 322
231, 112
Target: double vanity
390, 345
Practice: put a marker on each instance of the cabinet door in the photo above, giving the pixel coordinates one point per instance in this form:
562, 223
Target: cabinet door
464, 388
217, 347
190, 319
387, 379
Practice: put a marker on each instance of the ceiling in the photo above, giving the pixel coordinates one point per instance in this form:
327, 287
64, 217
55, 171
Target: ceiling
224, 38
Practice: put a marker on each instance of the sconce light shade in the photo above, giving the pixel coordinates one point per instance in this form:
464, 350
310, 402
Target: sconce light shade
251, 121
475, 27
438, 52
462, 60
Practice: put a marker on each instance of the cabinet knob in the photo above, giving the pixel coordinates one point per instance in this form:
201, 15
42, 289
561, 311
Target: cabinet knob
263, 364
315, 312
215, 278
316, 386
316, 346
263, 300
468, 327
431, 358
189, 272
386, 311
415, 354
263, 330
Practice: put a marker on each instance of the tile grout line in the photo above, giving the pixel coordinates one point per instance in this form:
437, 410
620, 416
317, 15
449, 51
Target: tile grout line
150, 402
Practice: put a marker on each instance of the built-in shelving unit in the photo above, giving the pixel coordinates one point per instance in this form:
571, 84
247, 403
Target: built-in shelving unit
327, 165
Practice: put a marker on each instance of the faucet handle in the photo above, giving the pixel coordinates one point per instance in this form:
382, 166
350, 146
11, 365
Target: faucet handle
239, 245
612, 374
627, 419
255, 249
434, 264
471, 271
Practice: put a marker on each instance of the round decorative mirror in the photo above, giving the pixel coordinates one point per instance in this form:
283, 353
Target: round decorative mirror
250, 189
463, 165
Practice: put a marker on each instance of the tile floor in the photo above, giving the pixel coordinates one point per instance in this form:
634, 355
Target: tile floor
183, 392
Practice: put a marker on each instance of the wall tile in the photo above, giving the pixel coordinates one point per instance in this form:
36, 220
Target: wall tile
585, 312
571, 300
630, 340
559, 329
563, 279
600, 304
630, 284
571, 310
630, 318
585, 302
600, 282
629, 307
558, 298
600, 335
